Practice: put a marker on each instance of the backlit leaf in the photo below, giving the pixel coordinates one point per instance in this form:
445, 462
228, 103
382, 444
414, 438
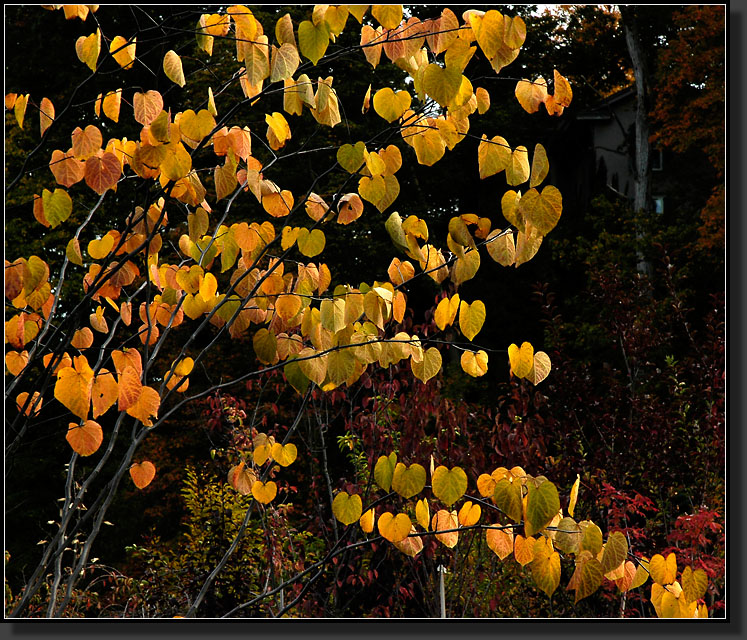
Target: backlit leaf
540, 166
313, 40
449, 484
86, 438
546, 566
663, 571
542, 210
73, 387
531, 94
241, 478
471, 318
502, 249
147, 106
390, 105
524, 549
46, 115
429, 366
444, 520
58, 206
88, 49
367, 521
475, 363
103, 172
543, 503
172, 67
104, 392
264, 493
493, 155
574, 495
394, 528
285, 455
517, 170
411, 545
384, 470
469, 514
347, 508
540, 369
142, 473
123, 52
521, 359
615, 552
507, 497
500, 542
408, 481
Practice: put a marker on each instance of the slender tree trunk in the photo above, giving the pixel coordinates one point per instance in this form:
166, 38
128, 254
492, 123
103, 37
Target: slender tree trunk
641, 163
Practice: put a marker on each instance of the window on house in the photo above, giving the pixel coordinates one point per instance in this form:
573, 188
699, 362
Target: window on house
658, 204
657, 160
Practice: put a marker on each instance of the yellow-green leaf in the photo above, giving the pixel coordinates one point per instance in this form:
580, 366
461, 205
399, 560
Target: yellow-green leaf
408, 481
311, 243
694, 583
347, 508
589, 578
546, 566
615, 552
449, 484
58, 206
429, 366
388, 15
507, 497
543, 503
351, 157
384, 470
313, 40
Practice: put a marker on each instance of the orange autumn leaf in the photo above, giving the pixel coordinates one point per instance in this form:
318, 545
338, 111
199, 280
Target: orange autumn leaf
104, 392
142, 473
15, 361
125, 358
35, 404
73, 387
129, 388
86, 438
82, 339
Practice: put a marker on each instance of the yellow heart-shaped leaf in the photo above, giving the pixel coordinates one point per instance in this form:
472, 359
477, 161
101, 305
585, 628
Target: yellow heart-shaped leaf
449, 484
284, 455
521, 359
394, 528
429, 366
347, 508
408, 481
264, 493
